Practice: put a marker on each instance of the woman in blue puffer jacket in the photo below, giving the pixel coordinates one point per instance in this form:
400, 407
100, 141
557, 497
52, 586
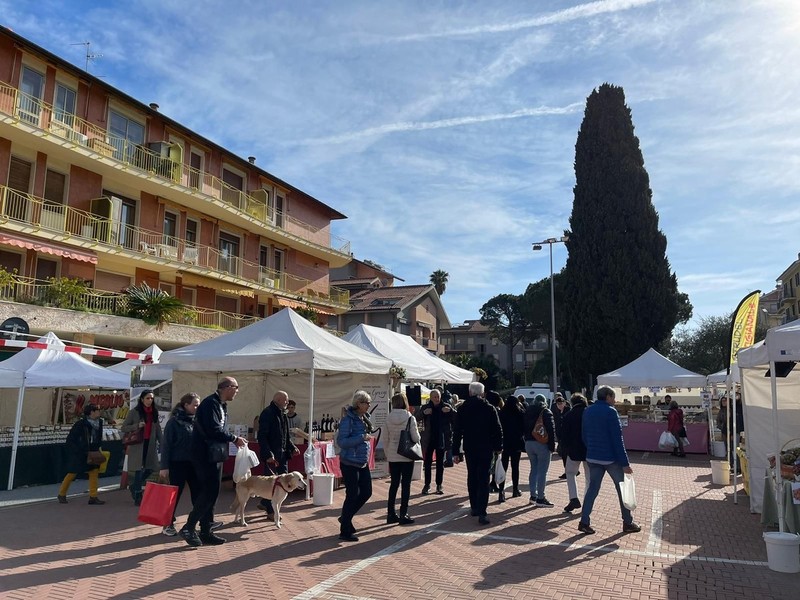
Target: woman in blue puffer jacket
353, 439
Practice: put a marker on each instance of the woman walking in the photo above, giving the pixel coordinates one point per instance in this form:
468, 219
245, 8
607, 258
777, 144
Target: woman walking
86, 435
512, 417
400, 468
676, 427
353, 438
176, 452
539, 444
574, 449
143, 458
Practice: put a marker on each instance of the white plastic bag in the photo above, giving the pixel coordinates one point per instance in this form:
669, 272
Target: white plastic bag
685, 441
667, 441
246, 459
499, 472
628, 490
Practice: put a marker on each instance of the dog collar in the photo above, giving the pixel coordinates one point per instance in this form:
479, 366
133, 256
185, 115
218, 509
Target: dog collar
278, 484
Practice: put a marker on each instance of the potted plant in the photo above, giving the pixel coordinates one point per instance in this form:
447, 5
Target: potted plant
154, 306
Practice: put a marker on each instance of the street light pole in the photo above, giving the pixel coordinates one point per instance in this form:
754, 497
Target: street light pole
538, 246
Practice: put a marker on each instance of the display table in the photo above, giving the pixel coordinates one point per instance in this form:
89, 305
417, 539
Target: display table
297, 463
644, 435
769, 510
47, 463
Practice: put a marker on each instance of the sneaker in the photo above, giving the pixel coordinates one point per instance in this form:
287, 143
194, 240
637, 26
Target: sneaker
216, 525
516, 493
348, 537
532, 501
392, 519
426, 490
169, 531
544, 503
562, 476
631, 528
439, 490
62, 499
209, 539
96, 500
584, 528
573, 504
406, 520
190, 537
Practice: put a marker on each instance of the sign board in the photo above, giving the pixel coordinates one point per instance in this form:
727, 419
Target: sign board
13, 327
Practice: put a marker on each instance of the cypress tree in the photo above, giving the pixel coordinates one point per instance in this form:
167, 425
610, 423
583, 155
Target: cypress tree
620, 294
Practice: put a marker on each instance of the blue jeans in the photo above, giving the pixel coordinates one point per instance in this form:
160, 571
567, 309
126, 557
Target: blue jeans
539, 455
596, 473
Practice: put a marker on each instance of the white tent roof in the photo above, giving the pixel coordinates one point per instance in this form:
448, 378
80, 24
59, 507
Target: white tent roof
722, 376
652, 369
126, 365
405, 352
54, 368
283, 341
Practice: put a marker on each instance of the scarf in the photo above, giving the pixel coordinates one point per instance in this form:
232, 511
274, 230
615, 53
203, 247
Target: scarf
148, 421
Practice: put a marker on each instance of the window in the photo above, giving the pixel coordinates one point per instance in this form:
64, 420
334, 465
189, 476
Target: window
30, 101
169, 288
19, 180
228, 253
278, 260
170, 228
45, 268
65, 105
191, 233
196, 162
127, 135
235, 181
188, 296
53, 211
127, 221
279, 211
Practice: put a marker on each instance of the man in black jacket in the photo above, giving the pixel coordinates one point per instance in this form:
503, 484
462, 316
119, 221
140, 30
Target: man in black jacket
477, 423
209, 429
275, 445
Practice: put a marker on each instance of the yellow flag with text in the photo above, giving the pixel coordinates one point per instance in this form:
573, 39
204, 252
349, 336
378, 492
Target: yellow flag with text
743, 325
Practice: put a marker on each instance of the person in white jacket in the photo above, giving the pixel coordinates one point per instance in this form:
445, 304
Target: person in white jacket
400, 467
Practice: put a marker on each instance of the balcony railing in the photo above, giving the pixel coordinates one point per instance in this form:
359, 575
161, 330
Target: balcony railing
66, 222
31, 110
31, 291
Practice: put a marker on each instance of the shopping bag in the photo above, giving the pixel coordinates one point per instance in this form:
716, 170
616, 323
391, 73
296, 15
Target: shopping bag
245, 459
667, 441
685, 441
499, 472
158, 504
407, 447
628, 490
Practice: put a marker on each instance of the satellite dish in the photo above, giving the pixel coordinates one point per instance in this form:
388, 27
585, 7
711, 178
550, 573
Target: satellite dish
14, 326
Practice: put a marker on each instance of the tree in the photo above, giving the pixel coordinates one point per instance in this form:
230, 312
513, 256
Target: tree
439, 280
154, 306
503, 316
703, 349
623, 297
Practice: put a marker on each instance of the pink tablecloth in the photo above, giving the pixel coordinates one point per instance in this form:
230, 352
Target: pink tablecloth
644, 436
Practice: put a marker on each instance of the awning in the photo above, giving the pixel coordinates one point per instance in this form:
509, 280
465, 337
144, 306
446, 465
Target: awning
285, 302
193, 280
47, 248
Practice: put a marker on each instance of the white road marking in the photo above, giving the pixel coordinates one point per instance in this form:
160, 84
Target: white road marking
656, 524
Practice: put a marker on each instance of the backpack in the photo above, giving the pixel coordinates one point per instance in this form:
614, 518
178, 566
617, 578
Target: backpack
539, 432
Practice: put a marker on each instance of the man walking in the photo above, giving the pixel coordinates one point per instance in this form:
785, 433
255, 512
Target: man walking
477, 423
274, 442
605, 453
208, 440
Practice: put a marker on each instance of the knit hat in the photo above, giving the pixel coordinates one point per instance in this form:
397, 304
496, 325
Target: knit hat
539, 399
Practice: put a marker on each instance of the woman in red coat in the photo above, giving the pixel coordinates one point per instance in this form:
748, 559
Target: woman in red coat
676, 427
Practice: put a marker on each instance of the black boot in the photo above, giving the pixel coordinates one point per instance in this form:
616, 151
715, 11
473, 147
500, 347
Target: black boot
573, 504
502, 496
426, 489
516, 493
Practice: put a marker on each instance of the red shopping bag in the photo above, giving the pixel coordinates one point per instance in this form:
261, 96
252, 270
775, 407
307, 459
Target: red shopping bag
158, 504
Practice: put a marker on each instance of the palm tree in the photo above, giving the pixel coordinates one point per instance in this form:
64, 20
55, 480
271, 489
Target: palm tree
439, 280
154, 306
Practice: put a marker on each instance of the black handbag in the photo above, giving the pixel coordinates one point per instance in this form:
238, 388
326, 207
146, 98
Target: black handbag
217, 452
407, 447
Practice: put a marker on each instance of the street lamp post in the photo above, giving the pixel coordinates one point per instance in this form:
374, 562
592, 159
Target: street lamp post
538, 246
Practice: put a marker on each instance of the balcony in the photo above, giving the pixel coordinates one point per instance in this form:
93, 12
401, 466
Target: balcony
166, 166
35, 216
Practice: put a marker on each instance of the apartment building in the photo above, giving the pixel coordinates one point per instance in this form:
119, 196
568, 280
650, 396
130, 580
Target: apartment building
789, 285
100, 187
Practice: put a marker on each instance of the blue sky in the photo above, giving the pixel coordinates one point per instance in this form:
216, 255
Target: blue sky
446, 131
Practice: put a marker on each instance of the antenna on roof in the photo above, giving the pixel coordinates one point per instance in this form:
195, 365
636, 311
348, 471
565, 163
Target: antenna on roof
89, 55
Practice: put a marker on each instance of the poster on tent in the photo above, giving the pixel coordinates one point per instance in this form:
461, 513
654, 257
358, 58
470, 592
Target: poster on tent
379, 411
70, 403
162, 392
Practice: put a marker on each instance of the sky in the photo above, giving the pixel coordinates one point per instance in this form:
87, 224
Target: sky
446, 130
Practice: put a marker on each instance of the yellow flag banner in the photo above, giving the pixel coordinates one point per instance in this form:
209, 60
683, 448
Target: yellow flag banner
743, 325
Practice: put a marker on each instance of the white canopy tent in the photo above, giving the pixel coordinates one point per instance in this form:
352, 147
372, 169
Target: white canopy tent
403, 351
34, 368
771, 404
282, 352
652, 369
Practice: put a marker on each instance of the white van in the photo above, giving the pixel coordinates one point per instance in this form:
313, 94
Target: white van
530, 392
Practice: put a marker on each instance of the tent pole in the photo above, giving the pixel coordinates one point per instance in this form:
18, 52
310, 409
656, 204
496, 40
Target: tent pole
777, 474
310, 423
732, 441
15, 444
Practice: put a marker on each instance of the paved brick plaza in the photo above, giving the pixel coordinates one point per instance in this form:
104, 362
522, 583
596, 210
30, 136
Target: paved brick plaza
695, 543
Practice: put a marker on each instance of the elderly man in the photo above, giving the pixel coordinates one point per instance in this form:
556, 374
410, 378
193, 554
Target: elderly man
274, 442
477, 423
605, 453
437, 436
209, 449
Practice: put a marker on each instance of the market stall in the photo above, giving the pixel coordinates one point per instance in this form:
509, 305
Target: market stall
645, 421
46, 366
